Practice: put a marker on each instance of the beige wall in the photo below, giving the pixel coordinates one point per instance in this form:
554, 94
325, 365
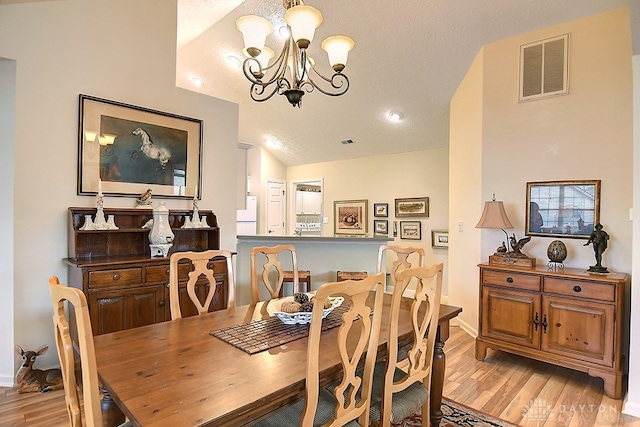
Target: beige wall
118, 50
382, 179
585, 135
465, 192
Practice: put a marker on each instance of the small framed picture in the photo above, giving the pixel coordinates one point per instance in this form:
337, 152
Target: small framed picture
411, 230
350, 217
381, 226
381, 210
440, 239
417, 206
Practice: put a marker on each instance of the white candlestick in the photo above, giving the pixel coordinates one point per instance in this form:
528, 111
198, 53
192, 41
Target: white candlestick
99, 187
195, 192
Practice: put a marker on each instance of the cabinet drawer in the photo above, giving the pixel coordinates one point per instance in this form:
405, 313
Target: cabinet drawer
160, 273
120, 277
599, 291
511, 280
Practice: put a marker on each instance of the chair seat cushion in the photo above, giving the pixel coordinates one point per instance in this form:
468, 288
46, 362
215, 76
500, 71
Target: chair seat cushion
404, 403
290, 417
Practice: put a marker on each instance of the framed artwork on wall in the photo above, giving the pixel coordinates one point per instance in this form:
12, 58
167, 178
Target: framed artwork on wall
350, 217
131, 149
440, 239
411, 207
562, 208
381, 210
411, 230
381, 226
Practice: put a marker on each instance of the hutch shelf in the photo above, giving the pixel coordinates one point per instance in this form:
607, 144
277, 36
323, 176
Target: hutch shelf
125, 287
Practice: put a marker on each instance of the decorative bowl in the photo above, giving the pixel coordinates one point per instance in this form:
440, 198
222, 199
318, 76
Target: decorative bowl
301, 317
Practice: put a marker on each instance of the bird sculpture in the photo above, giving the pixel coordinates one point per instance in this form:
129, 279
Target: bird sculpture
144, 198
517, 245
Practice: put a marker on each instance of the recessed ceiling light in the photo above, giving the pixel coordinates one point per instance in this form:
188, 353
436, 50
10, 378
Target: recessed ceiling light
234, 61
395, 116
283, 31
274, 143
197, 81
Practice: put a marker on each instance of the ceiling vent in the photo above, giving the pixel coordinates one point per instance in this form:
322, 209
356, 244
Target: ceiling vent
347, 141
544, 68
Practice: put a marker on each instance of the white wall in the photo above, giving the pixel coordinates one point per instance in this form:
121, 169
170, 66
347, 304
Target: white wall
120, 50
632, 405
585, 135
382, 179
7, 145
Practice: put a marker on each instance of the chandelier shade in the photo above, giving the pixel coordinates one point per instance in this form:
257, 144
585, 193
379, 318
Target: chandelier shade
337, 48
292, 73
255, 30
303, 21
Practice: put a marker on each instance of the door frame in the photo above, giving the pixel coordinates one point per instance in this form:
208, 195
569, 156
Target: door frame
292, 200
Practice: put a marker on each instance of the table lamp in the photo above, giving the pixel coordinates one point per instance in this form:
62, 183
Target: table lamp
494, 216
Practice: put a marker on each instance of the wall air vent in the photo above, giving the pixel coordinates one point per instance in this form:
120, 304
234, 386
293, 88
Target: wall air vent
347, 141
544, 68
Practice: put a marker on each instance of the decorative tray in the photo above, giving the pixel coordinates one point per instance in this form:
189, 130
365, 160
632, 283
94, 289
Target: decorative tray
300, 317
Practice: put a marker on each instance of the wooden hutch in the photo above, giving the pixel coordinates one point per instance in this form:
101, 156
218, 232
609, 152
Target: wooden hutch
125, 287
569, 317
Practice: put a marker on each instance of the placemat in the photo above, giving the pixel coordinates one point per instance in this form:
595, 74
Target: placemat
263, 334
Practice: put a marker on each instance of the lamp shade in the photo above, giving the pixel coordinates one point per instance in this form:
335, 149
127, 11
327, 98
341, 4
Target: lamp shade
255, 30
303, 21
494, 216
337, 48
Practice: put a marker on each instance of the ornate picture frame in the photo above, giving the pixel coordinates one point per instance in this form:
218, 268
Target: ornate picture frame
381, 226
381, 210
412, 207
350, 217
440, 239
132, 149
562, 208
411, 230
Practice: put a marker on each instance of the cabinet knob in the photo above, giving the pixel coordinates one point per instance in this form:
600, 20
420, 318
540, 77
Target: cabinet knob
577, 288
167, 271
116, 276
509, 279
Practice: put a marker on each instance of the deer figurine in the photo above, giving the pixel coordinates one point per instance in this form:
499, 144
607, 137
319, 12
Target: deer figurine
29, 379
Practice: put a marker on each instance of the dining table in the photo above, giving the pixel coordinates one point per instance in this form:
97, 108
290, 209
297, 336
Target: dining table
177, 373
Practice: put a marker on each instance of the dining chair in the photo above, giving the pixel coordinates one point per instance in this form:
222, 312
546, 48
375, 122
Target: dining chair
90, 387
200, 262
273, 285
402, 254
359, 333
402, 385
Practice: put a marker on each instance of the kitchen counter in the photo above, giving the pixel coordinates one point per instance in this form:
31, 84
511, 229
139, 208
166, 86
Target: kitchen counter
323, 256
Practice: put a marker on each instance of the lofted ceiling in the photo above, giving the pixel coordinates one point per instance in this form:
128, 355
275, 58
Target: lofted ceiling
410, 56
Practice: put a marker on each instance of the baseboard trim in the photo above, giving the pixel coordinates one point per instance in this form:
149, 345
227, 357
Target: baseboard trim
6, 381
631, 408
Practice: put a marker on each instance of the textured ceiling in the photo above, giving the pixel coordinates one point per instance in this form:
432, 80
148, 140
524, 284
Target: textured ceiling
410, 56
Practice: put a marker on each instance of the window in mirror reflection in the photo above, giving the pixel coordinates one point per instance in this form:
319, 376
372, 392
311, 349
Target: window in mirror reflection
562, 208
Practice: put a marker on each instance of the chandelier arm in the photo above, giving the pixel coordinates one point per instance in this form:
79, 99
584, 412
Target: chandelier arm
338, 81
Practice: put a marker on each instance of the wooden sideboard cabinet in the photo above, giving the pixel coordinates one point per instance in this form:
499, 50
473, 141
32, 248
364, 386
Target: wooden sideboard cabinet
124, 285
569, 317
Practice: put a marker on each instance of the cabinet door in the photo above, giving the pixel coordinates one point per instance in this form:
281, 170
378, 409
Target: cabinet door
312, 202
579, 329
187, 308
112, 311
510, 316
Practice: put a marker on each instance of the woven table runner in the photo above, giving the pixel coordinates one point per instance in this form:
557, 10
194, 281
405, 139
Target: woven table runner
263, 334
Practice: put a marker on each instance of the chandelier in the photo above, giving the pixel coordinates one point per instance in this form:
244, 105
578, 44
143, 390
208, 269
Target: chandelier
293, 72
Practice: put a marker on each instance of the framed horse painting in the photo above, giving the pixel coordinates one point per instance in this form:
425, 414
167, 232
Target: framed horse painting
125, 150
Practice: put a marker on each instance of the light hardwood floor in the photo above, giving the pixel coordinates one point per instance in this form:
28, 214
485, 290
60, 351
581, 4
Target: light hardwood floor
503, 385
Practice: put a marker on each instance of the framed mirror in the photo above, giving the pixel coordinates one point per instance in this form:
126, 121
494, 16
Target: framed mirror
562, 208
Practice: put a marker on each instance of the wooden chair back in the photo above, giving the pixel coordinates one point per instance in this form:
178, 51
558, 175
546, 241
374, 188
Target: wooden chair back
200, 262
358, 333
425, 311
274, 287
90, 386
402, 258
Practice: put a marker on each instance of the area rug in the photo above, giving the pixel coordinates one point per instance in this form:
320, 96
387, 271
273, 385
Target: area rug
456, 414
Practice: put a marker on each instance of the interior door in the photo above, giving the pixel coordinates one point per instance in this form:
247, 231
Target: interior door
276, 203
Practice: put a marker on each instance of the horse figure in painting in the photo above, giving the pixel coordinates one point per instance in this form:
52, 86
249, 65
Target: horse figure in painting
151, 150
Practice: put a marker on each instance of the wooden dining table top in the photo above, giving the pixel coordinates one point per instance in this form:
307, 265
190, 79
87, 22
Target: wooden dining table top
175, 373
